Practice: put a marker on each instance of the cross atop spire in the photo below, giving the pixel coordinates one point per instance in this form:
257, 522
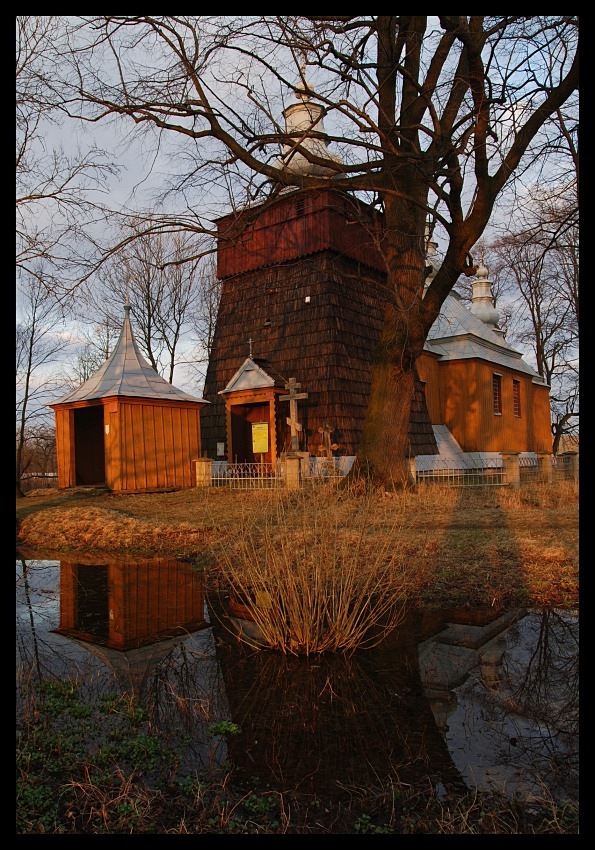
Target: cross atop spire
250, 344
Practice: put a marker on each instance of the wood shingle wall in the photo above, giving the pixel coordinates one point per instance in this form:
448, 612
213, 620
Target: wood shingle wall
317, 319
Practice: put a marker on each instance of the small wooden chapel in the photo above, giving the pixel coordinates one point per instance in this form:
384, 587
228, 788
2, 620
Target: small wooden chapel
126, 428
301, 301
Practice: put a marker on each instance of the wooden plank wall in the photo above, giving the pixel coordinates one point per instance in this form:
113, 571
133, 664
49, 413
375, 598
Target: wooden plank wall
65, 446
428, 370
152, 445
467, 409
299, 225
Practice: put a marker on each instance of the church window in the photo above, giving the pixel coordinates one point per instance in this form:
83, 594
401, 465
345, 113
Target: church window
516, 397
497, 393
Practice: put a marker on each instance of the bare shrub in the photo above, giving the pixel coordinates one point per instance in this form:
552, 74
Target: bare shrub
314, 577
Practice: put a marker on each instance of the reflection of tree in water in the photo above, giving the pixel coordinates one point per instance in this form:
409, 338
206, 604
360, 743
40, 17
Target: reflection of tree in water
538, 697
548, 690
329, 723
183, 696
40, 657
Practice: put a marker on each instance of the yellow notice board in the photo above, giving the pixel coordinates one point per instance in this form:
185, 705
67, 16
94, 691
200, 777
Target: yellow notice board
260, 437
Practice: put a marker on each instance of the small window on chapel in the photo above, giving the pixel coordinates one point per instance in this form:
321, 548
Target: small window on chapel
497, 393
516, 397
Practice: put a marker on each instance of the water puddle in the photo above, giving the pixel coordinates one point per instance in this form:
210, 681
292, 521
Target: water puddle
464, 698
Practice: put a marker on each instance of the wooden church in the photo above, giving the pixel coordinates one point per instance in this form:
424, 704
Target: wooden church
301, 300
126, 428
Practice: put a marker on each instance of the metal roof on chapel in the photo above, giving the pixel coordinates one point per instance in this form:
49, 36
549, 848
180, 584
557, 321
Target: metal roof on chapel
126, 373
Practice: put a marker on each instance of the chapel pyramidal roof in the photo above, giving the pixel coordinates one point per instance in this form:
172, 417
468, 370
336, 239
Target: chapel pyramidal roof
126, 373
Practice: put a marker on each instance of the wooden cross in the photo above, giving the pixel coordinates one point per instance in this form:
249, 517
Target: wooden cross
327, 447
292, 419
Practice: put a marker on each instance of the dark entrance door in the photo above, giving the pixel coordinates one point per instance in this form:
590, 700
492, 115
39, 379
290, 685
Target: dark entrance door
242, 417
93, 602
89, 446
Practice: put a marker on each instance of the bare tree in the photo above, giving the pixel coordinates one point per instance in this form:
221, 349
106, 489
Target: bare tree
40, 345
429, 117
541, 274
153, 274
57, 190
98, 343
203, 319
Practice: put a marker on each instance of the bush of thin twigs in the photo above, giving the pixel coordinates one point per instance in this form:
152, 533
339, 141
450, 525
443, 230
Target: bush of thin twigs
313, 576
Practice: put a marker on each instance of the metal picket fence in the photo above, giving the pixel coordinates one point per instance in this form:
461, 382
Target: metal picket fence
246, 476
528, 470
259, 476
440, 470
484, 472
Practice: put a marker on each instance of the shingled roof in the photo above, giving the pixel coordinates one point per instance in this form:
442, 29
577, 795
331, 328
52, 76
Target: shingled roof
126, 373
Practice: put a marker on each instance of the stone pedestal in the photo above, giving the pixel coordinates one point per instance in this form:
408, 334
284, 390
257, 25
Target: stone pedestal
544, 460
292, 471
511, 468
203, 471
571, 459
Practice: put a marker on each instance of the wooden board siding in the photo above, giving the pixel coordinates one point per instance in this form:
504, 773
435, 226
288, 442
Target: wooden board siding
65, 446
148, 599
428, 369
325, 318
539, 416
469, 414
157, 443
298, 225
113, 445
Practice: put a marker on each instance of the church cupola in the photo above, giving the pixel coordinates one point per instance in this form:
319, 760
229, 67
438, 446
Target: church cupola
482, 300
304, 122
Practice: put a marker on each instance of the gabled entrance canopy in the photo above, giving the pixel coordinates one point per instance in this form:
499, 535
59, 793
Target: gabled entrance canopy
252, 413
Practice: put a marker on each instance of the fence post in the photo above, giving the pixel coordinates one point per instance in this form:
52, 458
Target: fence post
411, 470
544, 461
203, 471
292, 471
572, 464
511, 468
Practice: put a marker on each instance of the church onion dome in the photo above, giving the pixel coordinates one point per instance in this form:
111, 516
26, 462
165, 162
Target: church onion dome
482, 301
304, 123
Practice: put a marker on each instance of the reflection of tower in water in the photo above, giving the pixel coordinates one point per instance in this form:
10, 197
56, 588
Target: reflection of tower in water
332, 723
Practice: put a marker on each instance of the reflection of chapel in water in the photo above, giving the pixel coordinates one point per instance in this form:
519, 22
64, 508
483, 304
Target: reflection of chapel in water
130, 612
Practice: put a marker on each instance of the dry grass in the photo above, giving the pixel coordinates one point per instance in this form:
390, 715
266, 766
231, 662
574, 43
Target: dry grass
314, 577
89, 528
478, 546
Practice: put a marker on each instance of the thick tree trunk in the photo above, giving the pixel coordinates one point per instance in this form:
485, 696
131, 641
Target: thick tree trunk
384, 447
384, 444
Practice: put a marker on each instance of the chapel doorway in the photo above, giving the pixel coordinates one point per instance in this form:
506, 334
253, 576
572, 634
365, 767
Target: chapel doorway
89, 446
245, 438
